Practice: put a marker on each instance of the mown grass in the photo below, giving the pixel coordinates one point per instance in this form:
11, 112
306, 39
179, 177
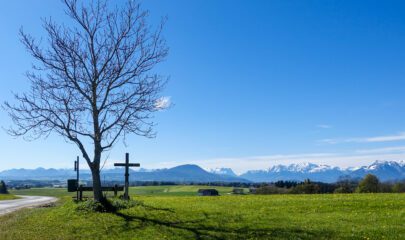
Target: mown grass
178, 190
7, 197
332, 216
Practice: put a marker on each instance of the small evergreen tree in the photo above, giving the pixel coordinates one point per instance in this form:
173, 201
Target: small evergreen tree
370, 184
3, 187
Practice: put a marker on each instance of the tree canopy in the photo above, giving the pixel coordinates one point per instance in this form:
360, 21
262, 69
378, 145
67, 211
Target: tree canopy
370, 184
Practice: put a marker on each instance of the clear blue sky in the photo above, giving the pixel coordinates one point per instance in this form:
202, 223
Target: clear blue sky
254, 83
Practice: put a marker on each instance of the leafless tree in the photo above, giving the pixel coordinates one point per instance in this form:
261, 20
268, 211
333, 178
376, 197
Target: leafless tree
93, 79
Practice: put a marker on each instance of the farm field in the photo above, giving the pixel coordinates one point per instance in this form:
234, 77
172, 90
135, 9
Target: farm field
159, 216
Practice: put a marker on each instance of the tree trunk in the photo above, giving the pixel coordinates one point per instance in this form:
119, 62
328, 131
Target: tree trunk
95, 171
97, 191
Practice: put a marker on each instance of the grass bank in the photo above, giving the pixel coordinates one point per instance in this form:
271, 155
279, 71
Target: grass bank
334, 216
7, 197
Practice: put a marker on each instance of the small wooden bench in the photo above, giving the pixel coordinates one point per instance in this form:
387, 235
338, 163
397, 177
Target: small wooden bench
114, 189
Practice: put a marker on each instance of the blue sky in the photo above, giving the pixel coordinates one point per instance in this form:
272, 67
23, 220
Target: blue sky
254, 84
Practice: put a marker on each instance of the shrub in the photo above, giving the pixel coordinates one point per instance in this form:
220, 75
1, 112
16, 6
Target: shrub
345, 186
109, 205
91, 205
343, 189
271, 190
307, 187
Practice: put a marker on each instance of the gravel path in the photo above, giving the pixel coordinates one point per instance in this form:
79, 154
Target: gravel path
8, 206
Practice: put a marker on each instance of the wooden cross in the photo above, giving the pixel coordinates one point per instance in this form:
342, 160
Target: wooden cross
127, 165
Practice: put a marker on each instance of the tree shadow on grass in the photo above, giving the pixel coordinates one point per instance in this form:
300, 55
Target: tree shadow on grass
202, 231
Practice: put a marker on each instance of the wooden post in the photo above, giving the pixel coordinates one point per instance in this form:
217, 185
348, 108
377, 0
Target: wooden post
115, 190
77, 177
80, 193
126, 194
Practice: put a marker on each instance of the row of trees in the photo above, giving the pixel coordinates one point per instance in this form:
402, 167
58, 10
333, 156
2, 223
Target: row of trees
369, 184
372, 184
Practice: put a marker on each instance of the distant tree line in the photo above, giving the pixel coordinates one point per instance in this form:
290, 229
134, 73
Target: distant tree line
26, 184
369, 184
169, 183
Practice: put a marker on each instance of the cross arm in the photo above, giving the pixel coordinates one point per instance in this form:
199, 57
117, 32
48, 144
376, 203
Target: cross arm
129, 165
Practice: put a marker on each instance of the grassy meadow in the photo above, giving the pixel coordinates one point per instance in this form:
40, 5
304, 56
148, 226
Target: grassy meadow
178, 190
174, 212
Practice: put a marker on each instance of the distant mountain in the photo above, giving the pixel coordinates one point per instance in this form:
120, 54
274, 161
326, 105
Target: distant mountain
384, 170
183, 173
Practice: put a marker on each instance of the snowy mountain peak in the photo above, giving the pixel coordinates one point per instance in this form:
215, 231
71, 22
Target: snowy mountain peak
300, 167
385, 164
223, 171
277, 168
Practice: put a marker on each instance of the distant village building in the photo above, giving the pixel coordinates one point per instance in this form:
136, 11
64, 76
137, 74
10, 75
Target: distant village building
208, 192
238, 191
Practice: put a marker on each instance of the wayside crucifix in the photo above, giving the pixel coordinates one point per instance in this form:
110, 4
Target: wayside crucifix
127, 165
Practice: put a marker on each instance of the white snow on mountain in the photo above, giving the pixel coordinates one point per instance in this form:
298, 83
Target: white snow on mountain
385, 170
223, 171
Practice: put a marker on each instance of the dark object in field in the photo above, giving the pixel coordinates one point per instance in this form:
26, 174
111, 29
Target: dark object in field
208, 192
72, 185
238, 191
3, 188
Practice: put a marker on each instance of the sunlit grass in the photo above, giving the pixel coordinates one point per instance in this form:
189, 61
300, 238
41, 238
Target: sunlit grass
329, 216
7, 197
177, 190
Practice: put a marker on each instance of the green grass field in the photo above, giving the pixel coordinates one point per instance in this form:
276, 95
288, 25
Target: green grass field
7, 197
171, 213
178, 190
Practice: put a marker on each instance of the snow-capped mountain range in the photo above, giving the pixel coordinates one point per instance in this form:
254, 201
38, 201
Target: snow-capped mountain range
384, 170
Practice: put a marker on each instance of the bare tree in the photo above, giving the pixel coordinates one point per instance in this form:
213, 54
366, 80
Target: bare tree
93, 80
